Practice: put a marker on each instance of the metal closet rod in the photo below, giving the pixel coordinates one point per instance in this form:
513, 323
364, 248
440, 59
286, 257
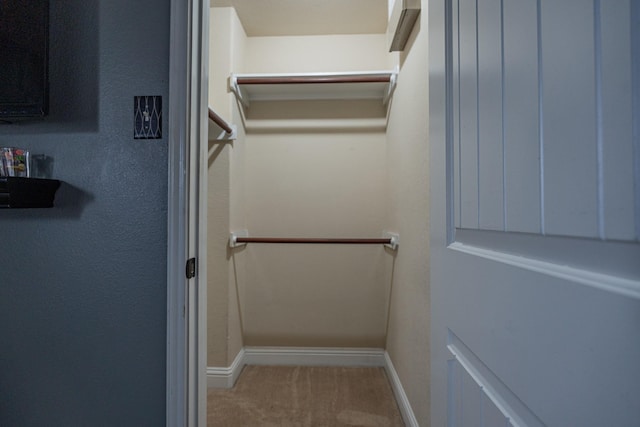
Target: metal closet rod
383, 241
241, 237
313, 79
220, 121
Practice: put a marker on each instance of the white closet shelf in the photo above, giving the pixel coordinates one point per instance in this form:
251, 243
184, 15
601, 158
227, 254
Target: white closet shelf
313, 86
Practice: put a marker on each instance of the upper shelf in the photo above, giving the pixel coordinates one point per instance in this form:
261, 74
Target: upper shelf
310, 86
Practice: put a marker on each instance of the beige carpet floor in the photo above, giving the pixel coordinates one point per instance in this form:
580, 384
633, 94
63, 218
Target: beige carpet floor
283, 396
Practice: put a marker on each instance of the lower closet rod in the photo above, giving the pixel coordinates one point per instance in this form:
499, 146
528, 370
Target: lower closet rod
383, 241
215, 118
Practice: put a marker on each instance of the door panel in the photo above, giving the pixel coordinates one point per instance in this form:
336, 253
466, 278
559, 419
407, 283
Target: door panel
535, 259
490, 142
468, 107
520, 123
569, 119
616, 122
543, 117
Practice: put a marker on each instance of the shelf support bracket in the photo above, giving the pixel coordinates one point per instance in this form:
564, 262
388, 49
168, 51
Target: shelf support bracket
233, 238
235, 88
392, 87
395, 240
224, 136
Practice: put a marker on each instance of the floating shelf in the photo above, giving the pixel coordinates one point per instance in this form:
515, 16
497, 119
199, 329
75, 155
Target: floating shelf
27, 192
313, 86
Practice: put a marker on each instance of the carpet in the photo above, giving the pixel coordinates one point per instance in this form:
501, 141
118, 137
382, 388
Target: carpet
305, 396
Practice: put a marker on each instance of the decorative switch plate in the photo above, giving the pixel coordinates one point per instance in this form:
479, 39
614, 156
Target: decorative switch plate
147, 112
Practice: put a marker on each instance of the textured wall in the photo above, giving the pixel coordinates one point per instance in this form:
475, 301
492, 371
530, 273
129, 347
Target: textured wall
237, 215
312, 54
218, 189
318, 181
226, 211
407, 156
83, 285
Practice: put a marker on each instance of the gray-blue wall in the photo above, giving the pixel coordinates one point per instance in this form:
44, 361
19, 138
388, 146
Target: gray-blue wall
83, 285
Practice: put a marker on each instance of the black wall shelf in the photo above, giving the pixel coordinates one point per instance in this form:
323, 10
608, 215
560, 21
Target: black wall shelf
18, 192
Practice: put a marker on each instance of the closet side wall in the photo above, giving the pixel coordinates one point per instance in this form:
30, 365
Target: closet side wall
320, 180
238, 221
225, 186
408, 159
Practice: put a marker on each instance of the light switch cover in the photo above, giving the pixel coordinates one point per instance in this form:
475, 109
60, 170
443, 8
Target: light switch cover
147, 117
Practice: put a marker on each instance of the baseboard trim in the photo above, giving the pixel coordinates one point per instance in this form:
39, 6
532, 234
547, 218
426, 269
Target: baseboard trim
406, 411
226, 377
301, 356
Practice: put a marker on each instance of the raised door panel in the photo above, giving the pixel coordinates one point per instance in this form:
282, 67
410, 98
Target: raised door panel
570, 179
542, 120
468, 112
615, 118
521, 121
490, 117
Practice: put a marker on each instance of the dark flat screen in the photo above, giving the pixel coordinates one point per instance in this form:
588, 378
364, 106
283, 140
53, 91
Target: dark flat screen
24, 33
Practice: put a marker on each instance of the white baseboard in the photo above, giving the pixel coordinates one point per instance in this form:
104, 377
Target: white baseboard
226, 377
301, 356
406, 411
307, 356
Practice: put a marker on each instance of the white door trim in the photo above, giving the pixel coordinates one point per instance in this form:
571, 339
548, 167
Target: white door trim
176, 217
186, 340
198, 179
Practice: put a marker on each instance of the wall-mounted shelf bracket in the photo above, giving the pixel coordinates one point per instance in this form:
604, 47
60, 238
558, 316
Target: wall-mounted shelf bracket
395, 240
393, 78
233, 238
229, 131
233, 85
225, 136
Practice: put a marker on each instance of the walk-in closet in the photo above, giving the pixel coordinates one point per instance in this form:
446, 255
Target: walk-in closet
317, 225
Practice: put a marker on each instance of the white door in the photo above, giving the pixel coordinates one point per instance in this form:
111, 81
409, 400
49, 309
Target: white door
535, 212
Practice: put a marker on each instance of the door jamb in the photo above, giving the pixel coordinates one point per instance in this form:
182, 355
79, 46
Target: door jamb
186, 214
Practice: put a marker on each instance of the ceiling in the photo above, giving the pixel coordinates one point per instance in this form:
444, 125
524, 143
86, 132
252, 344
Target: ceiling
309, 17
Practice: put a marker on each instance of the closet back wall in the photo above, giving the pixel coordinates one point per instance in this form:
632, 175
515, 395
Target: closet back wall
316, 185
318, 181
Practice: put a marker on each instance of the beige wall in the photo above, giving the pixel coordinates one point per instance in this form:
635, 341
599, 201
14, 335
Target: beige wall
316, 185
308, 174
226, 186
408, 159
237, 189
302, 54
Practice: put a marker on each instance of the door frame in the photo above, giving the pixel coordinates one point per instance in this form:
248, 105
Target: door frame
440, 223
186, 350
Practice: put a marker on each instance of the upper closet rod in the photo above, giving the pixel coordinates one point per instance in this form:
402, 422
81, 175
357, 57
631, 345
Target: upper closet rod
313, 79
